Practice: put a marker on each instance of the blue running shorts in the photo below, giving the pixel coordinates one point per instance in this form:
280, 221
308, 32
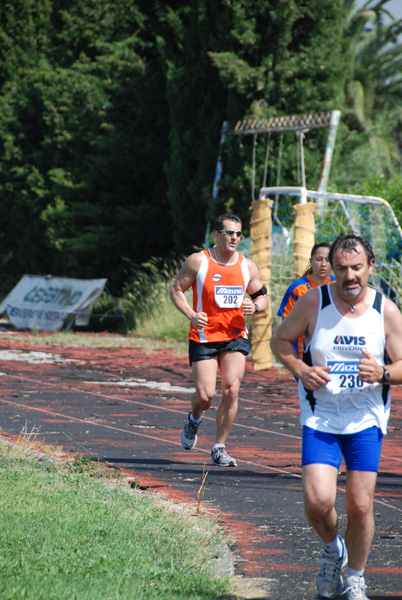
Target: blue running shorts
361, 450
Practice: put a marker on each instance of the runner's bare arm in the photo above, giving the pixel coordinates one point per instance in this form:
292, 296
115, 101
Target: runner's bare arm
184, 280
369, 370
254, 285
300, 322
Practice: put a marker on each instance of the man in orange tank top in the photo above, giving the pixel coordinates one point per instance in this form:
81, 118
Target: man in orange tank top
219, 277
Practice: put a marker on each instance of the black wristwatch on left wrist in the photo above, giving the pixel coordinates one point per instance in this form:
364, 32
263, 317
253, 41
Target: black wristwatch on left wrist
385, 375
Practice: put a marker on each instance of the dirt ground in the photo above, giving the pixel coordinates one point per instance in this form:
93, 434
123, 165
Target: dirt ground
127, 407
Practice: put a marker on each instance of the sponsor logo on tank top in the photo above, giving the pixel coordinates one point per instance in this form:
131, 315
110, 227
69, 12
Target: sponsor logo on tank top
343, 367
349, 342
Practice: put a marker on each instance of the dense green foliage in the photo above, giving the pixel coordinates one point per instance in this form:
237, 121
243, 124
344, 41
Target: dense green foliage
372, 110
81, 123
260, 57
111, 115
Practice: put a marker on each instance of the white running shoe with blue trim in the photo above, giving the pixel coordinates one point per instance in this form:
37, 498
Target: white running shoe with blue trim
330, 581
354, 588
221, 458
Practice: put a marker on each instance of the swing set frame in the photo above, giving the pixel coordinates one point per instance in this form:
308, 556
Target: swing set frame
300, 124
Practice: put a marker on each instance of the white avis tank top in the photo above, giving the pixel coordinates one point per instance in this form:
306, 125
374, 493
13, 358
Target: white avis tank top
346, 404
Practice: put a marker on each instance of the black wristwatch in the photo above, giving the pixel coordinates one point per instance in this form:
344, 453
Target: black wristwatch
257, 308
385, 375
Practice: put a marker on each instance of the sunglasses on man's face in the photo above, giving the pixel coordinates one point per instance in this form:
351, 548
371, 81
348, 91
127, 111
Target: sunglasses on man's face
230, 232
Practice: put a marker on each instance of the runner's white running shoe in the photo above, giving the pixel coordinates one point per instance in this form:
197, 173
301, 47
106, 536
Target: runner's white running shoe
354, 588
221, 458
329, 581
188, 436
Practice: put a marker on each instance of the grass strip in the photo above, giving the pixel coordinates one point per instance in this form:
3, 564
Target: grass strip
68, 535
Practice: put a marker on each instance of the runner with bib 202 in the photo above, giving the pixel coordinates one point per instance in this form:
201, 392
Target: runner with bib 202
218, 338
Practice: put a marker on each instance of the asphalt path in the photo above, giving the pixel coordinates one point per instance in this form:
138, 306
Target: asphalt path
127, 407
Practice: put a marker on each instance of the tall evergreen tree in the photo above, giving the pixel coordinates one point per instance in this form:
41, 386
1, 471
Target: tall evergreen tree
84, 135
271, 57
110, 117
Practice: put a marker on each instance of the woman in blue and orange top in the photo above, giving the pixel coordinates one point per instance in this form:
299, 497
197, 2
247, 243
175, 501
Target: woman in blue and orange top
317, 273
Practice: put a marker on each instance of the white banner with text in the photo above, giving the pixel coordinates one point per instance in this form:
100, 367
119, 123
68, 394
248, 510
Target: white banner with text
44, 303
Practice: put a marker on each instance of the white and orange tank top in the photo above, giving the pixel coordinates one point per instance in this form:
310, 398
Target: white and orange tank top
218, 291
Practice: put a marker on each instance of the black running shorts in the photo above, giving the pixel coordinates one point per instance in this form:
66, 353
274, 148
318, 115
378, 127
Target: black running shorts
198, 351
